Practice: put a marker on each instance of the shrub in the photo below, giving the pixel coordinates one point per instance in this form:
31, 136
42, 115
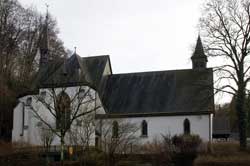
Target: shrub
5, 148
159, 150
186, 143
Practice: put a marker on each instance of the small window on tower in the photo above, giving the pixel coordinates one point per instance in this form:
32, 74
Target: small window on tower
201, 64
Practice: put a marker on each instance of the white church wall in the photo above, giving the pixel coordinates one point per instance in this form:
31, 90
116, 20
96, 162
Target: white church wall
17, 123
199, 124
31, 129
27, 131
165, 125
83, 131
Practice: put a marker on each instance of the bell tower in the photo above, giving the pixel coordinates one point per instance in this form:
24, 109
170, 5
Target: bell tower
199, 59
44, 44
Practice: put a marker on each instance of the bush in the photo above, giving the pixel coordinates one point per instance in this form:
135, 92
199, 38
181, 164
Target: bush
158, 151
186, 143
5, 148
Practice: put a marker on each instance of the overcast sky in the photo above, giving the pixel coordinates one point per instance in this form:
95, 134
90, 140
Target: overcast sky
139, 35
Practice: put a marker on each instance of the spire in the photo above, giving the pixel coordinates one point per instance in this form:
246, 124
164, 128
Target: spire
199, 52
75, 50
199, 59
44, 42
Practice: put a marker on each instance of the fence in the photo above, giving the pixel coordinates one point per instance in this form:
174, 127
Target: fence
52, 148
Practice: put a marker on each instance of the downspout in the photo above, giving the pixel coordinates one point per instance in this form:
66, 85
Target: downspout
210, 128
23, 118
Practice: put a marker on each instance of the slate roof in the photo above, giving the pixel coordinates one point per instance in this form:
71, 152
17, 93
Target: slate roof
169, 92
73, 71
177, 91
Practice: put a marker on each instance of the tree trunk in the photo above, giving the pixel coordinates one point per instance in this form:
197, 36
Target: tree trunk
240, 102
62, 149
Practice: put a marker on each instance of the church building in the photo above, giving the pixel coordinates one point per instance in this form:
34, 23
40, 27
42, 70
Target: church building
160, 102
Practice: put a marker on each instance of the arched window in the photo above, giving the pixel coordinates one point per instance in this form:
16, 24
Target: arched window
115, 129
186, 125
63, 111
144, 128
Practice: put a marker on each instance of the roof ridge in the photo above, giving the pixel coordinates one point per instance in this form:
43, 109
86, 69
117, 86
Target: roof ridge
157, 71
97, 56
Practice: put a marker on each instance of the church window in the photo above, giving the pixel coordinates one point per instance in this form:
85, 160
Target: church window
144, 131
28, 101
63, 111
186, 125
115, 129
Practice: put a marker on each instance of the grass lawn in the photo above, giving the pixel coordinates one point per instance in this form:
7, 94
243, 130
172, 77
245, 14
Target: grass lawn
224, 154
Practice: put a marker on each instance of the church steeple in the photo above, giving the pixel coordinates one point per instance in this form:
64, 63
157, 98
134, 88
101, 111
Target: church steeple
199, 59
44, 44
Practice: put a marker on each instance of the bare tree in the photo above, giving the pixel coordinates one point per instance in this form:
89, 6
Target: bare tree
61, 107
82, 131
46, 136
117, 137
225, 25
82, 134
7, 102
20, 31
161, 148
10, 33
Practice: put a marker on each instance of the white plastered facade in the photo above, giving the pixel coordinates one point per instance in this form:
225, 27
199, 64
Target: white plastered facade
26, 122
157, 126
